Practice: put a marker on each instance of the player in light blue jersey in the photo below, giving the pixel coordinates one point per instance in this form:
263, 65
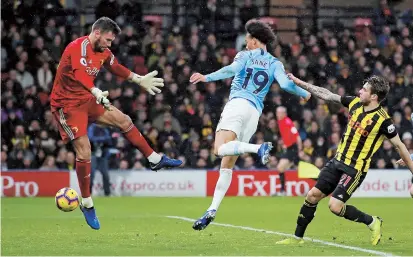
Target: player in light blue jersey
254, 70
401, 162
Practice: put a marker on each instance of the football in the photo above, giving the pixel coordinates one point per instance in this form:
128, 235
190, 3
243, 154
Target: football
67, 199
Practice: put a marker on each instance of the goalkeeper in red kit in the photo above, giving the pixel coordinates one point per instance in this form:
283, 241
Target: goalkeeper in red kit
75, 102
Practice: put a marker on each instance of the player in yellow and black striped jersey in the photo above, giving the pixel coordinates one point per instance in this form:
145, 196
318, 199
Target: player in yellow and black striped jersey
364, 134
368, 125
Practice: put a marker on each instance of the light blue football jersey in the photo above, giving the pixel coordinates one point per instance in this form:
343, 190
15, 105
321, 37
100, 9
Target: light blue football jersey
254, 72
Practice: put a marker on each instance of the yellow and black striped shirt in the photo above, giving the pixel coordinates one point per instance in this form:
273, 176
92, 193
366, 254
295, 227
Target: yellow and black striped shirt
364, 134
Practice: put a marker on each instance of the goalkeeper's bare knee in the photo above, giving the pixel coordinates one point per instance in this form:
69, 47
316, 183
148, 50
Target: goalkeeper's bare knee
125, 123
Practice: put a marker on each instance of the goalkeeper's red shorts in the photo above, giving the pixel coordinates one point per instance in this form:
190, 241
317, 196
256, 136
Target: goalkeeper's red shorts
74, 120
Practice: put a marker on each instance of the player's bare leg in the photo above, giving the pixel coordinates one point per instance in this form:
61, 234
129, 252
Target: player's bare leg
283, 165
120, 120
82, 148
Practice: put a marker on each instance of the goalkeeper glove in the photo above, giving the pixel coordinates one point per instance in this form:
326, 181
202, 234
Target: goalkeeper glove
149, 82
101, 97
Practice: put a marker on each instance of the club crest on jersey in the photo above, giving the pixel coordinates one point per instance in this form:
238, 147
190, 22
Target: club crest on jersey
75, 130
92, 71
83, 61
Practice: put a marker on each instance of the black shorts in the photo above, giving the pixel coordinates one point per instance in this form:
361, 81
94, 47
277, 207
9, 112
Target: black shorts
340, 179
291, 153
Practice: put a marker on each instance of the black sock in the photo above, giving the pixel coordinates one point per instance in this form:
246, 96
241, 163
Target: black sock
305, 217
282, 181
352, 213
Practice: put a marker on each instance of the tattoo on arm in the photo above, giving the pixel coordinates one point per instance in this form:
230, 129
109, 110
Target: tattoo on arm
322, 93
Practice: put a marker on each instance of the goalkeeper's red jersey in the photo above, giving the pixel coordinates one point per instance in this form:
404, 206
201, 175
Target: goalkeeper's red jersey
77, 70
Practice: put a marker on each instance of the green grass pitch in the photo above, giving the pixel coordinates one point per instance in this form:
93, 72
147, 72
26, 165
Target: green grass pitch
139, 226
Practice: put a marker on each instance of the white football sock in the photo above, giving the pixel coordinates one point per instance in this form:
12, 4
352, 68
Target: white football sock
225, 177
237, 148
87, 202
154, 158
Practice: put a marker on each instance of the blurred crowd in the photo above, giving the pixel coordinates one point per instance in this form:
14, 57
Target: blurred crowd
181, 121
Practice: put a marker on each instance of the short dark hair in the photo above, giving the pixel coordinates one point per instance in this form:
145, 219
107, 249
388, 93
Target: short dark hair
105, 24
379, 86
260, 30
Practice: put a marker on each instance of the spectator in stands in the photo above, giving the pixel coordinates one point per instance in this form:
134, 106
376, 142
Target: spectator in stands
16, 158
249, 163
124, 164
47, 143
335, 140
30, 110
307, 153
384, 15
23, 77
108, 8
49, 163
381, 164
61, 159
205, 155
407, 139
247, 12
44, 77
389, 155
71, 160
56, 48
20, 140
3, 163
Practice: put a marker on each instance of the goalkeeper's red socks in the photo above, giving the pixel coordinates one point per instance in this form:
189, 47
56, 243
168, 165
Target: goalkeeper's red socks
83, 169
136, 138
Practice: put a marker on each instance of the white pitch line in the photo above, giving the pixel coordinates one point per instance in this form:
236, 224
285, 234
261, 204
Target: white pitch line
289, 235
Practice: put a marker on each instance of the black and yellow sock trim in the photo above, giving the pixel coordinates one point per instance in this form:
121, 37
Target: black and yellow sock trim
308, 204
343, 211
